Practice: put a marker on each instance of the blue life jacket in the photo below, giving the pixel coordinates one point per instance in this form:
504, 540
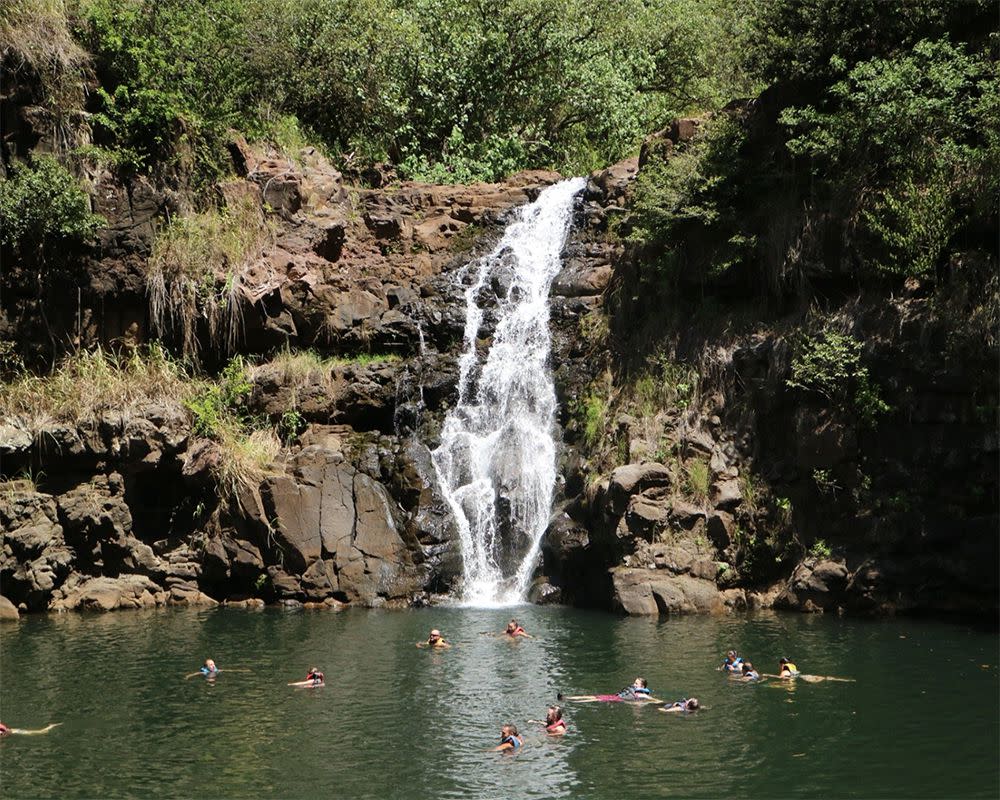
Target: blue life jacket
207, 671
511, 740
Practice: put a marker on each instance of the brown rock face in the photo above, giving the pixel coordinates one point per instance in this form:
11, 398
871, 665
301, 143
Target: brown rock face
337, 529
654, 592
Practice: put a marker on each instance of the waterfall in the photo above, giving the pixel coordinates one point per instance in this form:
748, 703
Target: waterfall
496, 460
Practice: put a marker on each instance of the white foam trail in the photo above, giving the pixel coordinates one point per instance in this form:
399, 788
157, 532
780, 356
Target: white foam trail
496, 460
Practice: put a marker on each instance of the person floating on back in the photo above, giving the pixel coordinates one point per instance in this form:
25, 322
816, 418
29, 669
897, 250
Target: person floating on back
314, 679
510, 740
435, 641
514, 630
638, 692
6, 730
786, 669
733, 662
685, 706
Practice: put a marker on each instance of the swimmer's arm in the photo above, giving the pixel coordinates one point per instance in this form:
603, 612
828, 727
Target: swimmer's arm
502, 747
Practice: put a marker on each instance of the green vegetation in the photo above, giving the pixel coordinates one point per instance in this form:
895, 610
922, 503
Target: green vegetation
820, 549
879, 132
96, 384
698, 478
44, 210
449, 90
830, 364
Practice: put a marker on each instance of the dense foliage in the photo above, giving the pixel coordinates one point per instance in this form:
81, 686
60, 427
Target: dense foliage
43, 209
873, 154
446, 89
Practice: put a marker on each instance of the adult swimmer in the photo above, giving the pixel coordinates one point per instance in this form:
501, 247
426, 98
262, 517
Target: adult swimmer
510, 739
733, 662
6, 730
554, 723
685, 706
748, 674
787, 671
638, 692
435, 641
208, 670
313, 680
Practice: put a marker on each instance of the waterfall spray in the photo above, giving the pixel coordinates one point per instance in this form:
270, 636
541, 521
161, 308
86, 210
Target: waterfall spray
496, 460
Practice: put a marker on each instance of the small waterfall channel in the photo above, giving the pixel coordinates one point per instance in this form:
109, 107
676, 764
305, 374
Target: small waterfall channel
496, 461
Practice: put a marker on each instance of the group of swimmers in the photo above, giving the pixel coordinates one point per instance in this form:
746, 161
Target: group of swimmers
554, 725
742, 669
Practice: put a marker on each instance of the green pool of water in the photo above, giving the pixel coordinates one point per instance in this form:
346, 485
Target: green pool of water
398, 722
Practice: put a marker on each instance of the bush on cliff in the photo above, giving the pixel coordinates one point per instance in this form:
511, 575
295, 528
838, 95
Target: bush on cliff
44, 211
868, 159
451, 90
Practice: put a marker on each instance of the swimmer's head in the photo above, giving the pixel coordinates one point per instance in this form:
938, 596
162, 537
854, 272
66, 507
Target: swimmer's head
435, 635
554, 714
640, 683
209, 663
692, 704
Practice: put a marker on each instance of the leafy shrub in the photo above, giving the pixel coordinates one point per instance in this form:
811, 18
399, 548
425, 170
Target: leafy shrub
221, 404
820, 549
594, 413
43, 209
830, 364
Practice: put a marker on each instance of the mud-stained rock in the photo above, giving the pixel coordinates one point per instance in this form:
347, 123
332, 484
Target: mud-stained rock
642, 592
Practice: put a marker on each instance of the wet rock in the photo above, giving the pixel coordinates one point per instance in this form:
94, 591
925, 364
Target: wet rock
721, 526
815, 585
108, 594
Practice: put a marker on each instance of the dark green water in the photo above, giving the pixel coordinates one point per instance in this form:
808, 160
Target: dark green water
398, 722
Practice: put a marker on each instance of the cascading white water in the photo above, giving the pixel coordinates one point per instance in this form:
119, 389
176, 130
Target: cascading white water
496, 460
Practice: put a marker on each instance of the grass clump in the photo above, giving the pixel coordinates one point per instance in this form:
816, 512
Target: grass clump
197, 270
88, 384
698, 478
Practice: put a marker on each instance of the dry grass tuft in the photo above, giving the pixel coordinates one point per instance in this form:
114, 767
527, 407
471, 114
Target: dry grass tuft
197, 269
35, 35
247, 458
88, 384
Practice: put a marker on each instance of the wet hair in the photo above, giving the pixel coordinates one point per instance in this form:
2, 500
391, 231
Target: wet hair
555, 712
642, 683
784, 661
747, 667
513, 730
692, 704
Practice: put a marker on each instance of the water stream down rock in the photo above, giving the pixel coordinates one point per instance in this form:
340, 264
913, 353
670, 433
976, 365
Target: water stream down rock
496, 461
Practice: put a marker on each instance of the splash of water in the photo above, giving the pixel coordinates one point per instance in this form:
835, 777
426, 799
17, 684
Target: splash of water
496, 460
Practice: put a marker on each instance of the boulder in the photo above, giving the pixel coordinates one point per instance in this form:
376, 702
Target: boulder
721, 526
8, 611
633, 479
815, 585
642, 592
725, 494
108, 594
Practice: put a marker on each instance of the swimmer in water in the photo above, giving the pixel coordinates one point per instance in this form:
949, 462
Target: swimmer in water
786, 669
638, 692
554, 723
313, 680
685, 706
510, 740
6, 730
514, 630
749, 673
435, 641
209, 670
733, 662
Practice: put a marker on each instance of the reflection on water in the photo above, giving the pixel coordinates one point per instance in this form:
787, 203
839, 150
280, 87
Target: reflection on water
395, 721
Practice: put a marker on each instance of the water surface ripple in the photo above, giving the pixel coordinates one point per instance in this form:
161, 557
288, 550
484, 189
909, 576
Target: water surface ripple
398, 722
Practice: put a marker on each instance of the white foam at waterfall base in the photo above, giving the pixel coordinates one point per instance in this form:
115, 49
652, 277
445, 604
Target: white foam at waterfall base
496, 460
